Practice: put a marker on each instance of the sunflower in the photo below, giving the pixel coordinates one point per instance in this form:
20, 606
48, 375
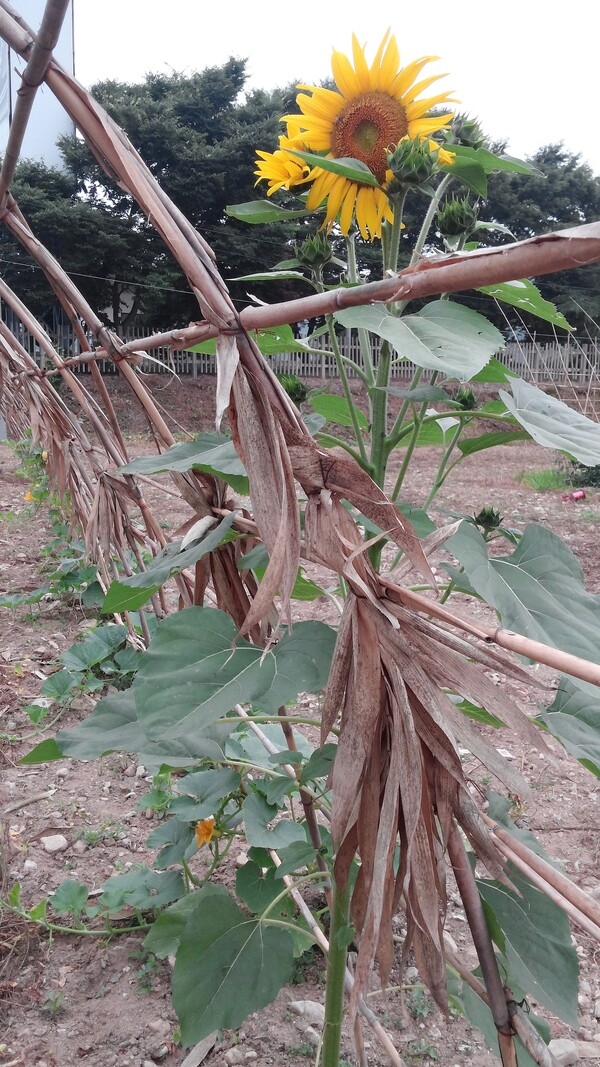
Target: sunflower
281, 169
374, 108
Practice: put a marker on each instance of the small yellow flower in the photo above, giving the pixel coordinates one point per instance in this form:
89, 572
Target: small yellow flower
204, 831
44, 456
280, 168
28, 497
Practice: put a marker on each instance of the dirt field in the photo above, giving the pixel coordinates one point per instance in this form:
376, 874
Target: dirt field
79, 999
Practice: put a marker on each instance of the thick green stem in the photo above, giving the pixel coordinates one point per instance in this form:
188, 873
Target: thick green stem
364, 459
379, 414
391, 237
336, 973
426, 226
435, 203
364, 340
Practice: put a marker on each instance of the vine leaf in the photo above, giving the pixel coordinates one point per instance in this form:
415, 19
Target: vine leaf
227, 965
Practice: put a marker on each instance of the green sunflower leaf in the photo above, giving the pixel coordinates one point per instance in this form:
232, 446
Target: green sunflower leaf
553, 423
536, 949
526, 296
352, 169
337, 409
469, 445
196, 670
210, 452
444, 336
272, 276
257, 212
538, 591
573, 719
125, 594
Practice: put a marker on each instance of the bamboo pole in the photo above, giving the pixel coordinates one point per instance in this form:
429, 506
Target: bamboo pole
33, 76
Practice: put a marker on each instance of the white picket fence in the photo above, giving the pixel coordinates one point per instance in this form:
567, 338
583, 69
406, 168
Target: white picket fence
576, 362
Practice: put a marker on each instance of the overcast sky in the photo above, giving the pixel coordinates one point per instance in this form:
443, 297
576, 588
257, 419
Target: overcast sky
530, 75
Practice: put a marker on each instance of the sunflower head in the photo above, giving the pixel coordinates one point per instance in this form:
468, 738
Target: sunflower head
373, 108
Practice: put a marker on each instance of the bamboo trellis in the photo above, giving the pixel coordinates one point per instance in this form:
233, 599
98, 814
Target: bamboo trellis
397, 772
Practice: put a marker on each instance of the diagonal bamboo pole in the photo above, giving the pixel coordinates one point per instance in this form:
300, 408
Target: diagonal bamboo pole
582, 908
467, 887
33, 76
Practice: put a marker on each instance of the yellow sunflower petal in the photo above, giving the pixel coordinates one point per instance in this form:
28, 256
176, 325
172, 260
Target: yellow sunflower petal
347, 211
320, 189
335, 196
361, 67
384, 74
444, 157
344, 76
405, 77
424, 127
366, 213
419, 108
424, 84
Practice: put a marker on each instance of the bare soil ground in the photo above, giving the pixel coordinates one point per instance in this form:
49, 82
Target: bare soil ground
112, 1002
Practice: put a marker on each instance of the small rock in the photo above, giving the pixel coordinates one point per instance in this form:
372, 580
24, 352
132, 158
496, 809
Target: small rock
234, 1055
129, 771
62, 772
159, 1026
310, 1010
411, 974
250, 1054
54, 843
29, 865
159, 1053
564, 1051
140, 772
312, 1036
79, 846
597, 1010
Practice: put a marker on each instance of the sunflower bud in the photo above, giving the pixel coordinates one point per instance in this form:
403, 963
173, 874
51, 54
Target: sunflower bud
457, 218
467, 131
314, 252
466, 398
488, 518
412, 164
